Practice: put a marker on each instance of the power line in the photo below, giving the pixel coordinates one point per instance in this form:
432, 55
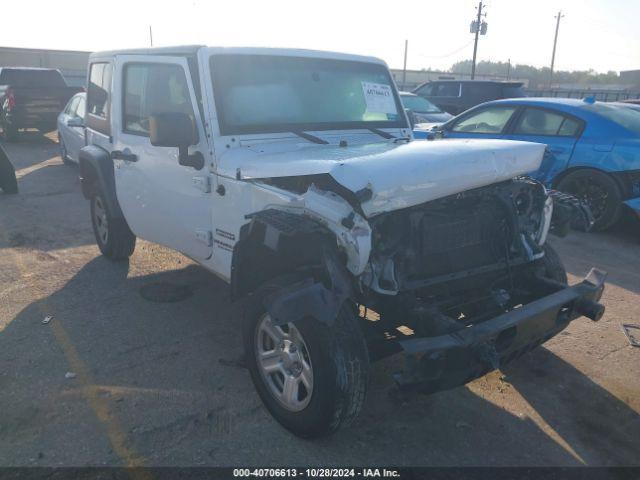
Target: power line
447, 54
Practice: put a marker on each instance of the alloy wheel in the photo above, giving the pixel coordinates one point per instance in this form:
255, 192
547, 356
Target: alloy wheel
284, 363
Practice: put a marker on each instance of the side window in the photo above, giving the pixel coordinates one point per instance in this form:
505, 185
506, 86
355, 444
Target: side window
426, 90
541, 122
482, 90
98, 96
488, 120
71, 106
151, 89
449, 89
81, 108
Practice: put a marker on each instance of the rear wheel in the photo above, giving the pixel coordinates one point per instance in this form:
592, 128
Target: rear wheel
598, 190
113, 236
311, 377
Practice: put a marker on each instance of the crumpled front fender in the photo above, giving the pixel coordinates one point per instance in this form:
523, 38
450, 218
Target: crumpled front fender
311, 298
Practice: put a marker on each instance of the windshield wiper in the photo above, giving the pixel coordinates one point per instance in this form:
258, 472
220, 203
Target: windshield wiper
382, 133
311, 138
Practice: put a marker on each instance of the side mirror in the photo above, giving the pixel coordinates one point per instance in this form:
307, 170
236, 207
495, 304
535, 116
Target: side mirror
75, 122
173, 129
411, 116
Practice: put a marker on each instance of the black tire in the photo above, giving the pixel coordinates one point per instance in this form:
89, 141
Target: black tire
599, 190
553, 266
340, 362
8, 181
9, 133
119, 242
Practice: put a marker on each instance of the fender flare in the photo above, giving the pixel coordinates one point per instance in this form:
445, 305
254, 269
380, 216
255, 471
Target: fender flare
278, 243
96, 173
311, 298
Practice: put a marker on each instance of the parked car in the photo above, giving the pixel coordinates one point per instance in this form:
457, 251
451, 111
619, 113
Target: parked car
71, 128
31, 98
456, 96
593, 147
8, 182
292, 175
425, 113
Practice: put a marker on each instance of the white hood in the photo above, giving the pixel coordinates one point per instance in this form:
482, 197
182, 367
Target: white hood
399, 175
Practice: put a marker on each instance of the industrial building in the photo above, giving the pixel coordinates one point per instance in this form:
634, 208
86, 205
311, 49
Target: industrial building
72, 64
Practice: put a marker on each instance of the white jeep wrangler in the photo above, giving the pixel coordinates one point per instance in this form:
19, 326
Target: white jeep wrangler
293, 175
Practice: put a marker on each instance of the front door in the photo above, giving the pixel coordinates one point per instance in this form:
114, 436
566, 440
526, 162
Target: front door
559, 132
163, 201
75, 138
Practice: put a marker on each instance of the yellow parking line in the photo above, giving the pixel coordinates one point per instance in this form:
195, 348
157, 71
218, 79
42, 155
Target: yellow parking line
100, 406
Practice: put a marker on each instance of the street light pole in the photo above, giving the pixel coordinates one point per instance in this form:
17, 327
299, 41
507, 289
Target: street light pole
475, 43
555, 42
404, 69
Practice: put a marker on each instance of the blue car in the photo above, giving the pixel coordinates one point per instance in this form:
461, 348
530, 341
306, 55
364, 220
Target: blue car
593, 148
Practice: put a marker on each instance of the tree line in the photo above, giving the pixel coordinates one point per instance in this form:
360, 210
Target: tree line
538, 77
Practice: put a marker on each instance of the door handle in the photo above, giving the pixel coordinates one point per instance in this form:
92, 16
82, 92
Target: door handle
126, 156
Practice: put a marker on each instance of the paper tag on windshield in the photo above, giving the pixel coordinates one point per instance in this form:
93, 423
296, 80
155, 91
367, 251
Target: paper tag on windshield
379, 98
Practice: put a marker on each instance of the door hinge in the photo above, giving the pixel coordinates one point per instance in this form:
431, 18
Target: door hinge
202, 183
205, 236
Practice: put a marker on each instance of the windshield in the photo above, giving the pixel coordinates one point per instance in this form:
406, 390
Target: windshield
419, 104
623, 116
268, 93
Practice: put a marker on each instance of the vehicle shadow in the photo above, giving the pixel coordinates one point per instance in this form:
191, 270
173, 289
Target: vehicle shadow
166, 380
601, 428
33, 136
616, 252
49, 194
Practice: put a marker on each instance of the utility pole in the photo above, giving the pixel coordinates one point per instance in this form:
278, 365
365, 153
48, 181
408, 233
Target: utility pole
479, 28
555, 42
150, 36
508, 69
404, 69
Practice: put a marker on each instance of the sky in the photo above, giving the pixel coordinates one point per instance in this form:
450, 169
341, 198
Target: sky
594, 34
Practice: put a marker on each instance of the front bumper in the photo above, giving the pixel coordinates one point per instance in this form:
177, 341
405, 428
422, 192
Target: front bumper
447, 361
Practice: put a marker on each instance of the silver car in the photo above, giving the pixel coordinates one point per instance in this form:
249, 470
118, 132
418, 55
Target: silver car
71, 128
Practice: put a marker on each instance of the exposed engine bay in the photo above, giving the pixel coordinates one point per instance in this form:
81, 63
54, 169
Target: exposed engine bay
422, 275
487, 229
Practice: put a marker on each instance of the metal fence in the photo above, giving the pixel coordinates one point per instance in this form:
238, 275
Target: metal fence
602, 95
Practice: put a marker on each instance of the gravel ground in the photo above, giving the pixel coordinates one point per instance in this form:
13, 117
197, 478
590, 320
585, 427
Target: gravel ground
118, 379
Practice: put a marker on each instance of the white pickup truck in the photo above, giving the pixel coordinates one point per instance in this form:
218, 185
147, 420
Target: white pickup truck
293, 175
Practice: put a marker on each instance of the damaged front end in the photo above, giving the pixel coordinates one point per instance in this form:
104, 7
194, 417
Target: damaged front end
461, 285
465, 284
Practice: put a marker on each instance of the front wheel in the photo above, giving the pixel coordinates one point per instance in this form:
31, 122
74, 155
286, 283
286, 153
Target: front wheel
553, 266
311, 377
598, 190
113, 236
